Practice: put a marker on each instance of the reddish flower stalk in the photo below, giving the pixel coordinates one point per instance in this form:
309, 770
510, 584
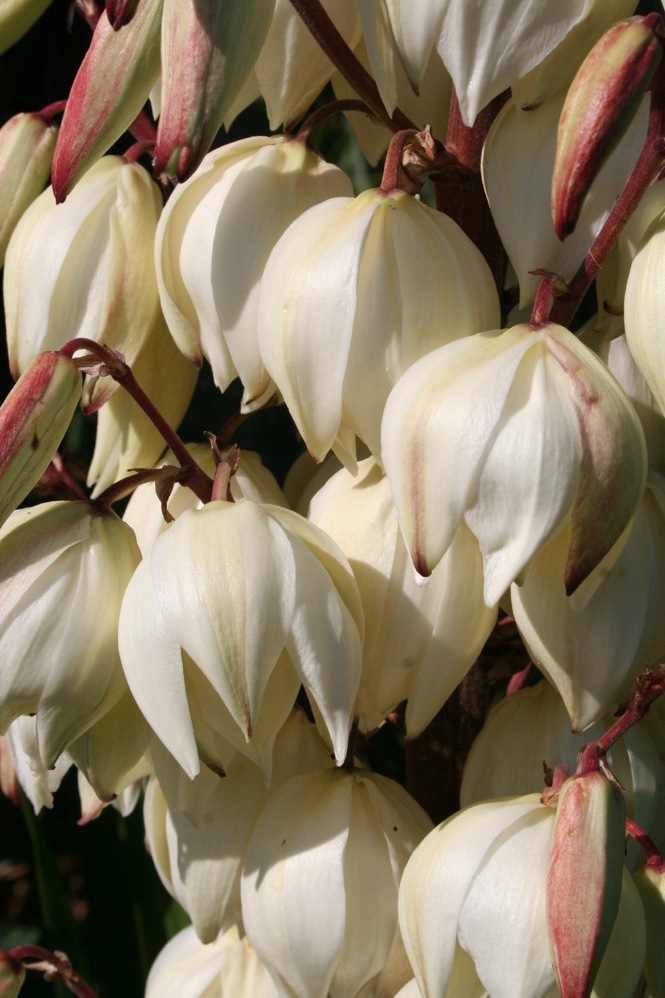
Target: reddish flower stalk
650, 685
328, 37
48, 113
52, 965
323, 113
109, 362
645, 841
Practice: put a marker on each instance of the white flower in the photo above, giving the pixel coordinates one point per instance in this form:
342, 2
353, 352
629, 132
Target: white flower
517, 432
65, 567
214, 238
517, 166
476, 887
320, 877
186, 968
83, 268
234, 606
354, 292
420, 640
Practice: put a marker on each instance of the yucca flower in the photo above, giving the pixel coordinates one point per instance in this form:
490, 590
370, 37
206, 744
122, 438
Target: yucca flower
359, 285
516, 432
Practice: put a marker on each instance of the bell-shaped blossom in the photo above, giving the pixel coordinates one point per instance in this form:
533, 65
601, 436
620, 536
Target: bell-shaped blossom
518, 162
84, 268
26, 147
16, 17
643, 308
186, 968
197, 830
531, 728
252, 480
207, 52
476, 888
110, 88
590, 647
65, 567
487, 47
33, 420
360, 285
126, 438
517, 432
214, 239
320, 877
420, 641
234, 606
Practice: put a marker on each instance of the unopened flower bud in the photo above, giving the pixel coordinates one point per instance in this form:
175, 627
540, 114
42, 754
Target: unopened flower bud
33, 421
584, 878
601, 103
110, 88
26, 147
208, 51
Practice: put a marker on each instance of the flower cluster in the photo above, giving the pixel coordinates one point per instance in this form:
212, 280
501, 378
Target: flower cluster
486, 521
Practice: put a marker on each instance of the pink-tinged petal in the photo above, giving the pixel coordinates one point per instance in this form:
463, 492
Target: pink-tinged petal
208, 50
584, 878
440, 422
613, 463
110, 88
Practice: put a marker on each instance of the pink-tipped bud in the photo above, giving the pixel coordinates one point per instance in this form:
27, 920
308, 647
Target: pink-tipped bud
584, 878
601, 103
33, 421
207, 54
109, 90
